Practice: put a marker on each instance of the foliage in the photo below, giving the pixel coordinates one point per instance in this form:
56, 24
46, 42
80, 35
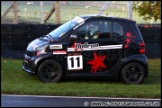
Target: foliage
148, 9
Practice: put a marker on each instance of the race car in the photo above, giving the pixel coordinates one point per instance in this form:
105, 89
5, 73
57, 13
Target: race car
89, 46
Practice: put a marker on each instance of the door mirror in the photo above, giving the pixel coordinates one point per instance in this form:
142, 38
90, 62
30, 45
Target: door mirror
73, 37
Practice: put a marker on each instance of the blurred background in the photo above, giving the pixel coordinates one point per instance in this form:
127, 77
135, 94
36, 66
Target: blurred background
35, 12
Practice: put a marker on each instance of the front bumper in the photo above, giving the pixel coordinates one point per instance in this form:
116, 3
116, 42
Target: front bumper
28, 64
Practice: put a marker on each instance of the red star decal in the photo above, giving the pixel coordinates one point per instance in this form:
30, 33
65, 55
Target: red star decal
74, 46
125, 46
128, 34
97, 62
127, 41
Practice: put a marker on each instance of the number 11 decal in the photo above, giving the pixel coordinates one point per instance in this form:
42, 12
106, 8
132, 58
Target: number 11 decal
75, 62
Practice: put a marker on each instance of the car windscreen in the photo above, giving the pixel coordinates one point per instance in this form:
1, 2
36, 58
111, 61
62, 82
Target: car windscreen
60, 31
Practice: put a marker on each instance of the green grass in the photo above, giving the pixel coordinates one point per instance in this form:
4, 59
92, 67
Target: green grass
16, 81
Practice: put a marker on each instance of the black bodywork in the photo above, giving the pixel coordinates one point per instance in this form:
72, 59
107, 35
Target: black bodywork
107, 62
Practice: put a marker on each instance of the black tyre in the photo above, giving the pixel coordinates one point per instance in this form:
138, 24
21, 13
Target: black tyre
133, 73
50, 71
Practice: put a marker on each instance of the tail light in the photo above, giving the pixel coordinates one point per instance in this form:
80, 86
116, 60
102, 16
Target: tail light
142, 48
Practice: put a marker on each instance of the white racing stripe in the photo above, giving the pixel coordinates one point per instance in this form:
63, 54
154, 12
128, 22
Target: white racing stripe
96, 48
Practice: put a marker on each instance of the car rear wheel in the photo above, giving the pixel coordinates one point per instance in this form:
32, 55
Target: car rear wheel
133, 73
50, 71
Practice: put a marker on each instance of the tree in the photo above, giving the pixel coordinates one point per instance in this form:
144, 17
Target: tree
148, 9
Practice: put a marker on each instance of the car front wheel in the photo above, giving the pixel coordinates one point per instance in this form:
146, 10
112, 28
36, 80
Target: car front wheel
133, 73
50, 71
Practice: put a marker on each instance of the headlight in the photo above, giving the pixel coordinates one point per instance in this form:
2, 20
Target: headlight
40, 50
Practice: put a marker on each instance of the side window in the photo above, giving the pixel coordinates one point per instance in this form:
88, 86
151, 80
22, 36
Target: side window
104, 29
81, 32
89, 30
118, 31
94, 30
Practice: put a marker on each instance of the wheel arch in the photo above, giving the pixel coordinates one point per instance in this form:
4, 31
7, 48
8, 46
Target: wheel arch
137, 61
49, 58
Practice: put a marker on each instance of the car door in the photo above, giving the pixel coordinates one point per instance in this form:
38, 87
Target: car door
97, 48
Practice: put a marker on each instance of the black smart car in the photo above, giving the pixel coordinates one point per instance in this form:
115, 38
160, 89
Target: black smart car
89, 46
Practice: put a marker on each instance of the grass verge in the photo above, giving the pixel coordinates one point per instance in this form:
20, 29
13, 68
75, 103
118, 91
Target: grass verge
15, 81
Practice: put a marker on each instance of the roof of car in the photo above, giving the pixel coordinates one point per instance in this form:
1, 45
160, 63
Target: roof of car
88, 16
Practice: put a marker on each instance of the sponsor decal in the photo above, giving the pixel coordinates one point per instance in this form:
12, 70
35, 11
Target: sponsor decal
78, 19
55, 46
88, 47
97, 63
75, 62
73, 47
59, 52
78, 25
